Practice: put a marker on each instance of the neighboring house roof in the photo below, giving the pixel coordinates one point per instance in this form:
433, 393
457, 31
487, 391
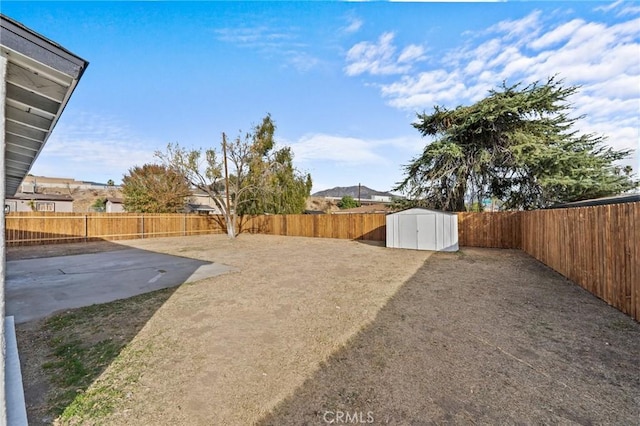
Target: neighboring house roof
617, 199
41, 197
200, 208
189, 207
45, 179
32, 183
40, 77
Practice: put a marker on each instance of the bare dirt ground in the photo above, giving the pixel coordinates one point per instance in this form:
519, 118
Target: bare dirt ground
321, 204
314, 330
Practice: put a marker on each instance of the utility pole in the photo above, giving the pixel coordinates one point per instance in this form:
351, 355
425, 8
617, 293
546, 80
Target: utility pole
359, 186
226, 184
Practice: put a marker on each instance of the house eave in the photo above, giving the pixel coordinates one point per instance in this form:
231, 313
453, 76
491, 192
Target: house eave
41, 76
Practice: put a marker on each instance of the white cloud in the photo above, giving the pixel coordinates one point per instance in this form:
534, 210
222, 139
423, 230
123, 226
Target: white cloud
558, 35
411, 53
610, 6
271, 42
629, 10
619, 136
616, 87
354, 25
251, 36
448, 1
91, 145
597, 108
338, 149
351, 150
624, 8
425, 90
603, 59
505, 58
518, 29
488, 49
302, 61
380, 58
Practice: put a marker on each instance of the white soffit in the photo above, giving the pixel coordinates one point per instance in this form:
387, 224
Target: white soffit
41, 76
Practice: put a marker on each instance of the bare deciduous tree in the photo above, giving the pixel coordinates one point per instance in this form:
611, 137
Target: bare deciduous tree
250, 180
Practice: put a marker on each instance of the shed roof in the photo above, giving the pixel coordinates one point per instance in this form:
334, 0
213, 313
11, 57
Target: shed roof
41, 76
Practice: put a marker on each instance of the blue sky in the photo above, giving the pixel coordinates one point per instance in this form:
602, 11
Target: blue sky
343, 81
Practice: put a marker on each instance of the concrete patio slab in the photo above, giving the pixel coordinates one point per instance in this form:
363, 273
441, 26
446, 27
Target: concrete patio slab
36, 288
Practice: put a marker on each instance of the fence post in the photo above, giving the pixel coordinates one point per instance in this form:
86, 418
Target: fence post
142, 217
184, 225
86, 228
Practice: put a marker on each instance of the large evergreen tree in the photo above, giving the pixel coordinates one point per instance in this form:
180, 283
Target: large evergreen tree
519, 145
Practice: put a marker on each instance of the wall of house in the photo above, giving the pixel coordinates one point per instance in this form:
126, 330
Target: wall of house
3, 98
16, 205
205, 200
115, 207
202, 199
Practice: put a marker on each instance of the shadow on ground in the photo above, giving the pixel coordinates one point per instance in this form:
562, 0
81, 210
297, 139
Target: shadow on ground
39, 251
480, 336
62, 355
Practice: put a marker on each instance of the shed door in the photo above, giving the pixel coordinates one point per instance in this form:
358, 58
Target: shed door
426, 232
407, 231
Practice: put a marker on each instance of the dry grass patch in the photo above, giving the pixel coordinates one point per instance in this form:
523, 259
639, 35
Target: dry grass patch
62, 355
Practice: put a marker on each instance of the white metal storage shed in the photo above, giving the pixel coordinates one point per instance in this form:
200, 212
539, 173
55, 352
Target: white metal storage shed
423, 229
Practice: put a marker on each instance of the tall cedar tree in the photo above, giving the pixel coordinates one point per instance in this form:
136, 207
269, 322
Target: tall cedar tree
155, 188
518, 145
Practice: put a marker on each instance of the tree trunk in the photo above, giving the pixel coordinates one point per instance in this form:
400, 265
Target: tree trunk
231, 231
458, 194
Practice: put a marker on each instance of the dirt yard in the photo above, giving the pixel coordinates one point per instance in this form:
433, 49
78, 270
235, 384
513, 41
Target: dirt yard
310, 331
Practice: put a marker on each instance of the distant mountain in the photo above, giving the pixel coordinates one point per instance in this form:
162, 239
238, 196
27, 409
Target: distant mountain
341, 191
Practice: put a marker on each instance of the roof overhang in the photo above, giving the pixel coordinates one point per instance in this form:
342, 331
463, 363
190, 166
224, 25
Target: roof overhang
616, 199
40, 77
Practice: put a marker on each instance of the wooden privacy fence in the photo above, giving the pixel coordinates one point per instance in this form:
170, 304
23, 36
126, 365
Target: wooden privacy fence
495, 230
370, 227
596, 247
40, 228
